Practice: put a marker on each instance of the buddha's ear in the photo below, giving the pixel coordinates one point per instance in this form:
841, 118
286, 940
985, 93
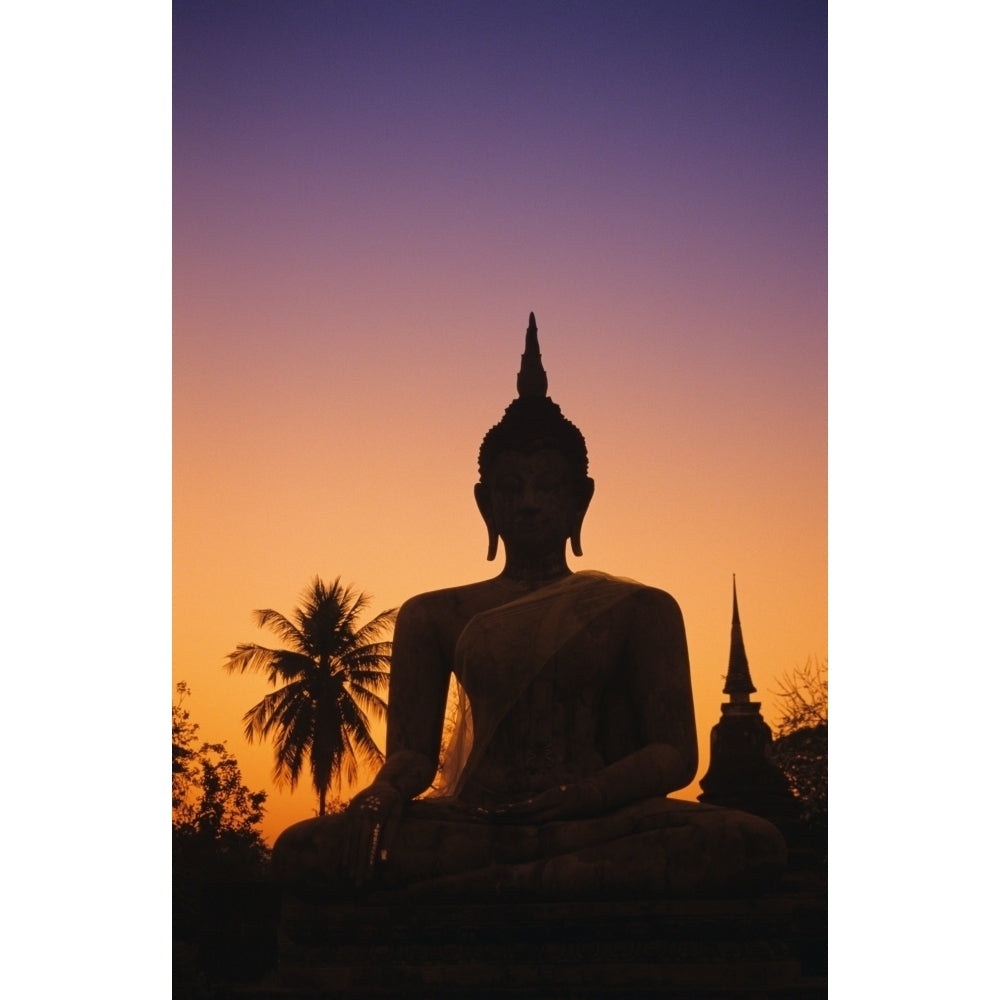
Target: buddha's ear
482, 495
586, 495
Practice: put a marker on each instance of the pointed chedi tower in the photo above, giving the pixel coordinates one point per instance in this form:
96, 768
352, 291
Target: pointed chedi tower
739, 687
740, 772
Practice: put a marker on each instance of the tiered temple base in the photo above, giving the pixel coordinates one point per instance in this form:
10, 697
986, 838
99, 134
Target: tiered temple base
773, 946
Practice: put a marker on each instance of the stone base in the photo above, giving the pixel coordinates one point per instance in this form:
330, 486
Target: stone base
769, 947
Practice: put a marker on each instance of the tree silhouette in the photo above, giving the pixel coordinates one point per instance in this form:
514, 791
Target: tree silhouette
800, 745
224, 905
332, 682
211, 805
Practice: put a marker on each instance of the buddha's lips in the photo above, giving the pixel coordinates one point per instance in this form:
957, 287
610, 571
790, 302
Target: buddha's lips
531, 526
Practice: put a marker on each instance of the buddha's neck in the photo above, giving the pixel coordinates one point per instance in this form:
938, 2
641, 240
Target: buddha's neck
534, 571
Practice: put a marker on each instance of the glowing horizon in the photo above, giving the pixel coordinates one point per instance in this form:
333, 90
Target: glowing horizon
368, 202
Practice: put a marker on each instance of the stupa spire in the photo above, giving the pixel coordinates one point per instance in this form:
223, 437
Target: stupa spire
739, 687
741, 774
531, 379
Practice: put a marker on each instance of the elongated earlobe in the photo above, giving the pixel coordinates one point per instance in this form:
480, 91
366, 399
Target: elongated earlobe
588, 495
483, 503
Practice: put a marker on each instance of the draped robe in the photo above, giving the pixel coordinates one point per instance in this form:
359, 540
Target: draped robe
500, 657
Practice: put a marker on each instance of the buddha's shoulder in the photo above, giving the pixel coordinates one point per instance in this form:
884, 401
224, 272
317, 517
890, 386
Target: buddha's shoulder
631, 588
642, 599
449, 603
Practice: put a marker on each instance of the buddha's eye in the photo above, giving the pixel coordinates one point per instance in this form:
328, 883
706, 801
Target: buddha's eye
508, 485
551, 484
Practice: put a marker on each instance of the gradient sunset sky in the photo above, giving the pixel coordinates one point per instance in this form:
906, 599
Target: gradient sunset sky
369, 199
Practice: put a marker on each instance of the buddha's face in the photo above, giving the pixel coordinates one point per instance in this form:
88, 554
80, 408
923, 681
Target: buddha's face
532, 500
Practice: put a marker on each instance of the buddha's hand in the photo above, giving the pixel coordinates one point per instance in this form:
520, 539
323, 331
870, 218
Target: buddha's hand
372, 821
574, 801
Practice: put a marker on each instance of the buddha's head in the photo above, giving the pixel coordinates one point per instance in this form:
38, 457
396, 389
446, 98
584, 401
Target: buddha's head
533, 488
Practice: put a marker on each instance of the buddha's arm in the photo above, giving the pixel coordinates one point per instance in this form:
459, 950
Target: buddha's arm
659, 682
418, 690
660, 679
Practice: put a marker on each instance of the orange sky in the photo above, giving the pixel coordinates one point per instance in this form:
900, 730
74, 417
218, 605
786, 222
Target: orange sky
693, 484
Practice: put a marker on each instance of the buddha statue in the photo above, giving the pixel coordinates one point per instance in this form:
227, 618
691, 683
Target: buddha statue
575, 719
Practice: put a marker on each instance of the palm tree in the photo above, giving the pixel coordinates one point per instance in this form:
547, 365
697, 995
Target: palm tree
332, 679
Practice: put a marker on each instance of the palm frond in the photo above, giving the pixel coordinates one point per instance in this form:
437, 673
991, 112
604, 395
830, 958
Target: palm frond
373, 672
293, 746
289, 666
375, 657
356, 724
369, 633
281, 627
369, 703
249, 656
256, 719
355, 601
348, 765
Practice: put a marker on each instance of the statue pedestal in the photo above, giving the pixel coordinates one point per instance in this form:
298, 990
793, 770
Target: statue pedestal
772, 946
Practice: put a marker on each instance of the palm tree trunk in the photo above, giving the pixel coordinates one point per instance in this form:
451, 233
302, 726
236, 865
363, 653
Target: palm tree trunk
322, 802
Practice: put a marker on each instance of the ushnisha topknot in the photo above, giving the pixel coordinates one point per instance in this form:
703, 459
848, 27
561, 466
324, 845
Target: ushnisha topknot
533, 421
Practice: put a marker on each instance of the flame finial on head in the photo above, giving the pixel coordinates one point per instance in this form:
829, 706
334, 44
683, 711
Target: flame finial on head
531, 379
533, 418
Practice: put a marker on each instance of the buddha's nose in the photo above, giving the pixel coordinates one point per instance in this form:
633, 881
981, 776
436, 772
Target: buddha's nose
529, 498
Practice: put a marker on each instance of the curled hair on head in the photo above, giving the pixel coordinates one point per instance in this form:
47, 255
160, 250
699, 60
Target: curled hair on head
533, 421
